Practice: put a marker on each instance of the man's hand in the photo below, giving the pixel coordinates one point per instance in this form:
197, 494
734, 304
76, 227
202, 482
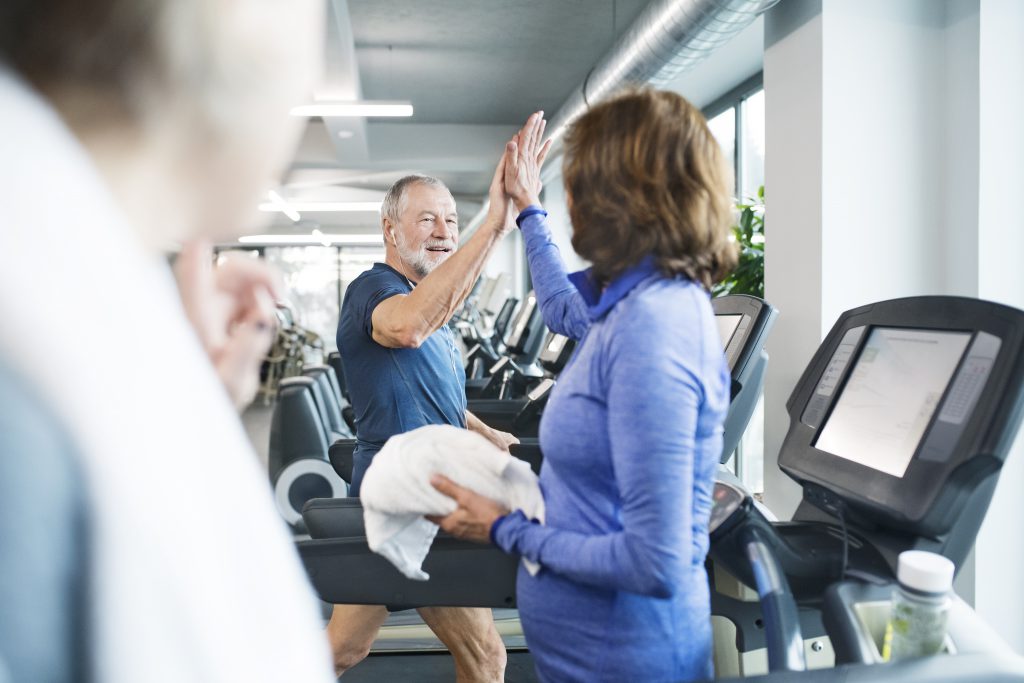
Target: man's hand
524, 155
499, 212
231, 308
502, 440
474, 517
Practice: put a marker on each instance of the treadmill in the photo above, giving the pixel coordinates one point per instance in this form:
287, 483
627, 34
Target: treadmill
522, 344
344, 571
744, 323
519, 413
899, 428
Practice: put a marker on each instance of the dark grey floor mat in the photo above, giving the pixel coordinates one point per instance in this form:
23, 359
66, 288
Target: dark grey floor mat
429, 668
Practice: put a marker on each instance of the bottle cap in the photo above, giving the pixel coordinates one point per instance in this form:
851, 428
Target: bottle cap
924, 571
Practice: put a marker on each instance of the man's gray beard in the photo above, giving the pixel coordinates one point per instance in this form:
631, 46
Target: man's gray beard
418, 263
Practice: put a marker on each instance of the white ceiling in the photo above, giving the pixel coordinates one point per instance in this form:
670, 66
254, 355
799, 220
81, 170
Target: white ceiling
473, 70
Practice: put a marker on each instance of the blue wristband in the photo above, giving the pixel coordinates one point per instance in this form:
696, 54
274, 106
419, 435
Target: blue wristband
531, 210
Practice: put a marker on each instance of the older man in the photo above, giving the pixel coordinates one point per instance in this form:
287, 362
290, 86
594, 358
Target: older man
404, 371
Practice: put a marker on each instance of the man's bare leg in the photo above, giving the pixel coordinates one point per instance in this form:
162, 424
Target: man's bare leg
471, 637
351, 631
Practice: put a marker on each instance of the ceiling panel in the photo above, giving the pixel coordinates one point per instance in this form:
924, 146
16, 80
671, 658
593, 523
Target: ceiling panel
482, 61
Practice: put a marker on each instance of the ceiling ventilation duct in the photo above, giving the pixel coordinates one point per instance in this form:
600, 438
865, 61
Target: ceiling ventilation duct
666, 39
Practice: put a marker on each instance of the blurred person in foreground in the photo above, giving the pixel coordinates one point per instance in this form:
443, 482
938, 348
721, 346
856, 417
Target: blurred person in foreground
139, 541
633, 430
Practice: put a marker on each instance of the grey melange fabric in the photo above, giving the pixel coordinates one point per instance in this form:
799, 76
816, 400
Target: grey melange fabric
44, 545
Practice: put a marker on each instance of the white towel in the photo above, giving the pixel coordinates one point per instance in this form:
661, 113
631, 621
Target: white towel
396, 490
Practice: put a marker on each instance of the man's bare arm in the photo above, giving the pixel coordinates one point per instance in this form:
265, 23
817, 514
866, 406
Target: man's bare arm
406, 320
499, 438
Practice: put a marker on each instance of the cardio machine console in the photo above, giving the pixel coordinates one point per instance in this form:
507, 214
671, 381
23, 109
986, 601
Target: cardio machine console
727, 500
743, 325
907, 406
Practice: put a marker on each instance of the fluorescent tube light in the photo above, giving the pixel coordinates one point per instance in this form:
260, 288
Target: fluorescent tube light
281, 205
323, 206
360, 108
320, 238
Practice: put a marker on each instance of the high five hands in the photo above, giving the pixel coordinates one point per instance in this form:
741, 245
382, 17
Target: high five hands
516, 183
524, 156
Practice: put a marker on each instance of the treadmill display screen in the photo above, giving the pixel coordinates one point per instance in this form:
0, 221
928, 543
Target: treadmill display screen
890, 397
522, 320
727, 325
554, 347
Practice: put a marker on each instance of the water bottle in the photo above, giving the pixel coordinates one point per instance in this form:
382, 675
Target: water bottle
920, 606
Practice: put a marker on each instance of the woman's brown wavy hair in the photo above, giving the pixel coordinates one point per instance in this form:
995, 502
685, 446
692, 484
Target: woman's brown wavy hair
645, 176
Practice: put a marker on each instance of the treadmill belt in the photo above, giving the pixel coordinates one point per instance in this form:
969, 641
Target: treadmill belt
433, 667
405, 632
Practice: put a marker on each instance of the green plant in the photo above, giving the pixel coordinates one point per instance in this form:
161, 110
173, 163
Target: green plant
748, 277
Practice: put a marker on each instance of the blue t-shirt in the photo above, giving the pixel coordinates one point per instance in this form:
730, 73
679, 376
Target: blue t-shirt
393, 391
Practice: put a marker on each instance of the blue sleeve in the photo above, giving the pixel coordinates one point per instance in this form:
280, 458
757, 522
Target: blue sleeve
561, 304
653, 402
372, 290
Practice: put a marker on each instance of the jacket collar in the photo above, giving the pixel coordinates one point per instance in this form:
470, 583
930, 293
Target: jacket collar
599, 301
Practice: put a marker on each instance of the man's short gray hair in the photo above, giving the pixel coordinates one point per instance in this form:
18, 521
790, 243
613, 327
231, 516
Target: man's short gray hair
395, 199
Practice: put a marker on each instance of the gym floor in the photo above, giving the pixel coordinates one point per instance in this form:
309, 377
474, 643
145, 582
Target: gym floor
436, 667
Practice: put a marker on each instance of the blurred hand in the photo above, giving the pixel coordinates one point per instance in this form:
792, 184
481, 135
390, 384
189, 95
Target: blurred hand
524, 156
232, 310
502, 440
474, 517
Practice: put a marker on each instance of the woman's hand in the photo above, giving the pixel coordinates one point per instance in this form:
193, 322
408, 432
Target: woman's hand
524, 155
231, 307
474, 517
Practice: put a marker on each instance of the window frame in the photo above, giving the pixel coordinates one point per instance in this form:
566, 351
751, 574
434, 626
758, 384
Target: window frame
734, 100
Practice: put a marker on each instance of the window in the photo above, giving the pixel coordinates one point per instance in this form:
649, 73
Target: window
316, 278
737, 121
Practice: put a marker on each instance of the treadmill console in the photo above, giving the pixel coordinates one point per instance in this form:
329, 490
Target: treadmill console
727, 499
501, 321
907, 407
743, 324
500, 365
541, 390
556, 352
514, 334
494, 292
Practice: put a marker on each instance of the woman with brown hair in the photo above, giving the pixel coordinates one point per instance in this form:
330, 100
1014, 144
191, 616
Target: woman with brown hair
633, 430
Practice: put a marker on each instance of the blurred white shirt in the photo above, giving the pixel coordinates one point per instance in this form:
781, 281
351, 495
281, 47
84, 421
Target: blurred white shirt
195, 577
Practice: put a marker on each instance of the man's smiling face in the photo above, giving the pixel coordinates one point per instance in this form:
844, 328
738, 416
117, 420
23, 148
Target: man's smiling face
428, 228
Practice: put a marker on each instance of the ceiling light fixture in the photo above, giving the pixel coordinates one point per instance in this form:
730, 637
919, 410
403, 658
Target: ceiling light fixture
323, 206
316, 237
281, 205
356, 108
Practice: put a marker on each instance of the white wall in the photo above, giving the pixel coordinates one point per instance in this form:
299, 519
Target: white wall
999, 590
893, 162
